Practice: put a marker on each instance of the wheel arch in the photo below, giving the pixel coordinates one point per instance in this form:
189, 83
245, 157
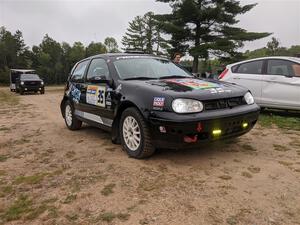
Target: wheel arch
116, 123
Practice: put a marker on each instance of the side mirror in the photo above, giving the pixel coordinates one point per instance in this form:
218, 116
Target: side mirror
98, 79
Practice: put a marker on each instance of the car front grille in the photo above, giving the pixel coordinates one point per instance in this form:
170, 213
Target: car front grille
224, 103
32, 83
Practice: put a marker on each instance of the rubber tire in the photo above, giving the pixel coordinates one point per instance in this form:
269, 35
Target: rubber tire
76, 124
21, 92
146, 148
42, 91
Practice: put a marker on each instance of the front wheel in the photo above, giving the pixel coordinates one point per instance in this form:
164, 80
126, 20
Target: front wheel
71, 121
42, 91
135, 135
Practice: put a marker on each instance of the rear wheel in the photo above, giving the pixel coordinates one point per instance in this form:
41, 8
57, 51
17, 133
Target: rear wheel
135, 135
71, 121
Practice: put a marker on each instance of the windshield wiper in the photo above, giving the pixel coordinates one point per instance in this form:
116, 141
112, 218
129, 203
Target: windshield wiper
175, 76
141, 78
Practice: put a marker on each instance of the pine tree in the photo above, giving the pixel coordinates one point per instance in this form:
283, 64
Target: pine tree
144, 34
206, 27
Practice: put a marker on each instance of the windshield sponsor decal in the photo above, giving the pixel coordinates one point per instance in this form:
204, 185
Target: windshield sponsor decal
194, 83
95, 95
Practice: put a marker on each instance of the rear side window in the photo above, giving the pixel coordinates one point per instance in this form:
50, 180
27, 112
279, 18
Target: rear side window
78, 73
283, 67
254, 67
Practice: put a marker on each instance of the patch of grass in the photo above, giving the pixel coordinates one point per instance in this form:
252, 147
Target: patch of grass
70, 154
284, 122
4, 129
34, 179
110, 216
8, 98
108, 189
3, 158
246, 174
72, 217
248, 147
123, 216
70, 198
6, 190
280, 148
285, 163
254, 169
225, 177
20, 207
2, 173
152, 184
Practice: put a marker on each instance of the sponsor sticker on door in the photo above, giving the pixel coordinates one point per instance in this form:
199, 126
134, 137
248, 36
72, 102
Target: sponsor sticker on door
95, 95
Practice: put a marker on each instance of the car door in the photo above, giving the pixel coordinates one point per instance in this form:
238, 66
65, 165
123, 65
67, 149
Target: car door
249, 75
98, 101
77, 86
281, 84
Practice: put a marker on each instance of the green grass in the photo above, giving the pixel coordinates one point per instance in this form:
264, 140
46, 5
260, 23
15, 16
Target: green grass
108, 189
284, 122
34, 179
3, 158
110, 216
21, 206
9, 98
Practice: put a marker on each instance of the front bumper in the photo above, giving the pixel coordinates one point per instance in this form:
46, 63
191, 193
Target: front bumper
25, 88
181, 131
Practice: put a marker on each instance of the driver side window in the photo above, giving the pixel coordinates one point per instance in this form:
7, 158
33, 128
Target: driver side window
98, 68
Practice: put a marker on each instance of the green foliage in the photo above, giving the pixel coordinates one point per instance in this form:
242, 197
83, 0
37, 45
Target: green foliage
205, 28
52, 60
111, 45
95, 49
144, 34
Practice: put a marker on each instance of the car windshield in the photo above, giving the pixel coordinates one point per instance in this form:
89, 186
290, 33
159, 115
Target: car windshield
30, 76
148, 68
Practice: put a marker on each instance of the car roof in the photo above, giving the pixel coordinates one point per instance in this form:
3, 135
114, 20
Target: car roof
120, 55
22, 70
295, 59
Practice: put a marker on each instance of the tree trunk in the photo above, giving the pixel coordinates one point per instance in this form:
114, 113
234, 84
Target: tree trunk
195, 64
197, 43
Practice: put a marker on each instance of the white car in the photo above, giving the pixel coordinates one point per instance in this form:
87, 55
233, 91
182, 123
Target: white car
273, 81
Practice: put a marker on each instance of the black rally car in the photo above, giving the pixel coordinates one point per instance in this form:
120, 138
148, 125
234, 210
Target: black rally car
149, 102
29, 83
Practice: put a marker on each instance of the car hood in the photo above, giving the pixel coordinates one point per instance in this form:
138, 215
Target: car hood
195, 88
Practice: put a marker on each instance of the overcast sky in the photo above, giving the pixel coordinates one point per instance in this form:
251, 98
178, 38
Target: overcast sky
93, 20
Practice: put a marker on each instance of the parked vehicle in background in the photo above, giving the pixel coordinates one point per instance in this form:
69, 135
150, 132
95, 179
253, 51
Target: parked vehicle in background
29, 83
15, 74
149, 102
273, 81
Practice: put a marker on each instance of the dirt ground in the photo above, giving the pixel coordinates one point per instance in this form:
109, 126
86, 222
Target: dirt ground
51, 175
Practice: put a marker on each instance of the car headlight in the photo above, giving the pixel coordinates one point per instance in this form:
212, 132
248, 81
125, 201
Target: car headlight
181, 105
249, 98
22, 82
42, 82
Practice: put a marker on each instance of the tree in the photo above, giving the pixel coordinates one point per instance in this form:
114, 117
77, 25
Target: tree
134, 36
111, 45
273, 46
13, 53
95, 49
206, 27
144, 34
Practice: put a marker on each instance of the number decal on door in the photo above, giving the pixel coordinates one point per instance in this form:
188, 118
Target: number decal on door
95, 95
